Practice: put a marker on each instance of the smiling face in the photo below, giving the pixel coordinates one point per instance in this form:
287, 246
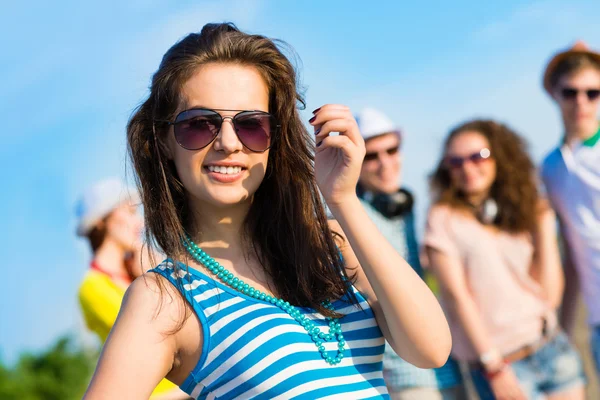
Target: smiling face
380, 172
472, 170
224, 173
124, 225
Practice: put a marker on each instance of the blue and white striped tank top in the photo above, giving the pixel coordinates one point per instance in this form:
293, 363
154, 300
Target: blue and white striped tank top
254, 350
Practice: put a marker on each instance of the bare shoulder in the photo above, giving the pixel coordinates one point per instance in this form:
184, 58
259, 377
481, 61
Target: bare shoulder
439, 209
544, 206
153, 298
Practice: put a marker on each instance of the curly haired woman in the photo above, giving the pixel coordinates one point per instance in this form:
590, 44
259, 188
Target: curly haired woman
491, 241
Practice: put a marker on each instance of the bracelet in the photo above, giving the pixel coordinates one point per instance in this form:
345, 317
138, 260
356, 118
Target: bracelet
491, 375
490, 356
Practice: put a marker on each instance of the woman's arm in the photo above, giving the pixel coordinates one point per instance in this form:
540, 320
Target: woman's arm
140, 349
546, 266
453, 284
407, 312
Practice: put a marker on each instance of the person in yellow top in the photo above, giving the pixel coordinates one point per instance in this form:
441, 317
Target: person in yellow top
107, 216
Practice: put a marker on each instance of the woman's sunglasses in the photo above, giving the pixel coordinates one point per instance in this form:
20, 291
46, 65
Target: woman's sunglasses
196, 128
455, 162
569, 93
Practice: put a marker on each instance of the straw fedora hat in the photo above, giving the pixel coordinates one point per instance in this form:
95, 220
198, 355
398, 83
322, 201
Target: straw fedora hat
578, 48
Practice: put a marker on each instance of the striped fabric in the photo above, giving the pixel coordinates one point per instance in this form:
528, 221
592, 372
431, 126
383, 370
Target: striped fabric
254, 350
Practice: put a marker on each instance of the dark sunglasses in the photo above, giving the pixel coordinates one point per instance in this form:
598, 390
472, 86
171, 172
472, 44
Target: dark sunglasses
455, 162
375, 155
196, 128
569, 93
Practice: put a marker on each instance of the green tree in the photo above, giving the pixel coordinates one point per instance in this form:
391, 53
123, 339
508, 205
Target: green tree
60, 373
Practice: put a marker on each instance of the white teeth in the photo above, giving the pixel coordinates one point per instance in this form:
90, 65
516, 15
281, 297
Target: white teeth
224, 170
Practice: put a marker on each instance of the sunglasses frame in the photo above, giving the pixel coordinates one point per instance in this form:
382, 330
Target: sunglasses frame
274, 130
475, 158
389, 151
591, 94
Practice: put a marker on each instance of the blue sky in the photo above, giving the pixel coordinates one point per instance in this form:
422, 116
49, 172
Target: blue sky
71, 73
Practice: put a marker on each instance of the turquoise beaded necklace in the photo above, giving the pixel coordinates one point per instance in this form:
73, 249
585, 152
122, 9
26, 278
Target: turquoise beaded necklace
317, 336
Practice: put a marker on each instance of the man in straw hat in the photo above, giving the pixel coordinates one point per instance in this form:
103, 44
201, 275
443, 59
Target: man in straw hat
571, 173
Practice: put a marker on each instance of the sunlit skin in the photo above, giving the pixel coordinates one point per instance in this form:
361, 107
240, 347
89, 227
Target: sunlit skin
580, 115
124, 225
145, 345
382, 175
212, 87
122, 241
473, 180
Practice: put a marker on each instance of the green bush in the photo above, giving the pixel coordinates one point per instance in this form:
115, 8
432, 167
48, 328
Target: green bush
60, 373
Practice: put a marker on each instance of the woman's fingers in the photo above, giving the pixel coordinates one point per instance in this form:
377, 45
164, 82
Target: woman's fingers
336, 120
338, 142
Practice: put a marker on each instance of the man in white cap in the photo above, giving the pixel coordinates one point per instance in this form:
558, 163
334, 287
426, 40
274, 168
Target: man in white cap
107, 216
391, 208
571, 174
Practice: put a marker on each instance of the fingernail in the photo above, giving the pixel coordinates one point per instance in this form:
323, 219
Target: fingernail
312, 119
317, 110
319, 144
317, 131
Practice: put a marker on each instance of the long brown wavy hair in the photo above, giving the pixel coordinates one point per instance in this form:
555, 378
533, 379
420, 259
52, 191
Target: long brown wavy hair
286, 223
515, 187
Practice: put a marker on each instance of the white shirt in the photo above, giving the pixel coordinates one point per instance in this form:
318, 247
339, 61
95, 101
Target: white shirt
571, 174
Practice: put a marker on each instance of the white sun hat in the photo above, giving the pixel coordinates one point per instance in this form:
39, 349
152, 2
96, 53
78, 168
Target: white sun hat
372, 122
99, 200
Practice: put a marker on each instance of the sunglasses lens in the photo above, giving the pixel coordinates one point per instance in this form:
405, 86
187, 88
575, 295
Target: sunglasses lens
371, 156
569, 93
393, 150
476, 158
255, 129
195, 129
454, 162
593, 94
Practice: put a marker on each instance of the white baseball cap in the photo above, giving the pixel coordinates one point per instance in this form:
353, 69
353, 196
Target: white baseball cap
99, 200
372, 122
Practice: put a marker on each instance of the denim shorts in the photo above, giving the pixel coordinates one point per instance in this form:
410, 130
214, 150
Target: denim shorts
553, 368
595, 345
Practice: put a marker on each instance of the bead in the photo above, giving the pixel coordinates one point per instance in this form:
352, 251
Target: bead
230, 279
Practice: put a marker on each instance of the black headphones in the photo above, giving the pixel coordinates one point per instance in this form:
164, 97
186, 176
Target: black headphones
389, 205
487, 212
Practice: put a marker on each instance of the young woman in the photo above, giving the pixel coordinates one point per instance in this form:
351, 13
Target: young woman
492, 242
261, 296
108, 218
